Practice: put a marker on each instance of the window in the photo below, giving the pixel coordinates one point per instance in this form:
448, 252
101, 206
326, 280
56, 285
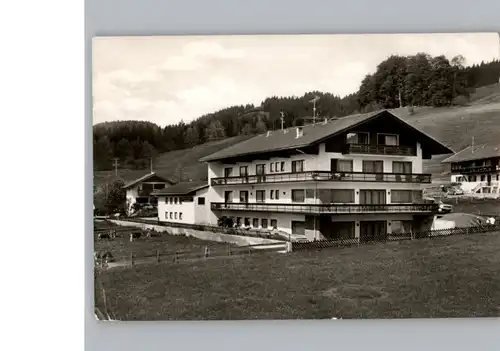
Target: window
388, 139
238, 221
401, 227
247, 222
406, 196
201, 201
180, 216
244, 196
498, 177
264, 223
175, 200
358, 138
373, 166
228, 172
277, 194
298, 228
309, 193
180, 201
298, 195
274, 223
255, 223
166, 200
337, 165
372, 197
401, 167
228, 196
282, 166
483, 178
329, 196
260, 169
271, 194
272, 167
166, 214
276, 165
339, 230
171, 200
175, 215
243, 171
171, 215
297, 166
260, 196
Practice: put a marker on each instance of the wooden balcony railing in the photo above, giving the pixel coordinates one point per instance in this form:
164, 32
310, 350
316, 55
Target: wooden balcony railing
324, 176
390, 150
475, 169
326, 208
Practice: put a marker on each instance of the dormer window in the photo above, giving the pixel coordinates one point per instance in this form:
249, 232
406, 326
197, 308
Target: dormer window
358, 138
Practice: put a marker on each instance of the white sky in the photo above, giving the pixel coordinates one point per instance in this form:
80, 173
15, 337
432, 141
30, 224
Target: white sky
165, 79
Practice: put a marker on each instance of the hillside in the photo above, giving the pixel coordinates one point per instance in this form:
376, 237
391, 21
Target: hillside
174, 164
454, 126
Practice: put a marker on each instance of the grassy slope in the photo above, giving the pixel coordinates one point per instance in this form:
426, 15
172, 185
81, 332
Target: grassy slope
453, 126
443, 277
169, 163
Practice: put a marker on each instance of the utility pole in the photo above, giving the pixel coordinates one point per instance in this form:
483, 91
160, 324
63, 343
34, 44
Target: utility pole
282, 118
316, 98
115, 164
151, 164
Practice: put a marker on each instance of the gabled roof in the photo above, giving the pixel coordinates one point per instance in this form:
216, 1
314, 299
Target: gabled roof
185, 188
476, 152
146, 178
312, 134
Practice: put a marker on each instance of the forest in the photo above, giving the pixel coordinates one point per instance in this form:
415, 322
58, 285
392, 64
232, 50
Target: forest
398, 81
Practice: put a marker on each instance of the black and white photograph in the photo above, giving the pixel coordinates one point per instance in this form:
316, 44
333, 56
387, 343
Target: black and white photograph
265, 177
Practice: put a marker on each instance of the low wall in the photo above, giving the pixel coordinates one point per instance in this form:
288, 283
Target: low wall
203, 235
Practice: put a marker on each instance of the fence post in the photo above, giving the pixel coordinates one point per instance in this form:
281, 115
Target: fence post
229, 250
157, 256
132, 258
175, 257
206, 251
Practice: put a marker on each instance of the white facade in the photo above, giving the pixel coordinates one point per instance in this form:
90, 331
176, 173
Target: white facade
187, 209
477, 183
311, 163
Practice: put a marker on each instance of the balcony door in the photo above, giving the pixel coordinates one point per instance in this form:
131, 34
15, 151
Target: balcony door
372, 230
260, 170
228, 197
374, 167
372, 197
244, 197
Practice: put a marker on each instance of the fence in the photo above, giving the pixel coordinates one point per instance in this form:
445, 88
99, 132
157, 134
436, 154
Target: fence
106, 260
321, 244
209, 228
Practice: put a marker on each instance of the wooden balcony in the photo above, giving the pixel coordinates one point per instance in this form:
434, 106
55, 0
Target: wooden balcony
474, 169
326, 208
322, 176
388, 150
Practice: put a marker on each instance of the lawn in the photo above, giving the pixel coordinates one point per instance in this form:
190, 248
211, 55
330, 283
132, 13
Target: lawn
167, 244
442, 277
476, 206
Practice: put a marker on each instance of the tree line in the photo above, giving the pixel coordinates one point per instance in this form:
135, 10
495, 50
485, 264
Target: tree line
398, 81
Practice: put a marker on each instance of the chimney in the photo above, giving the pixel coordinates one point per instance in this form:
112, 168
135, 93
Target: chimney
300, 132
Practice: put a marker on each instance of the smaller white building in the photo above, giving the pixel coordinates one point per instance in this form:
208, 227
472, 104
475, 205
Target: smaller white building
140, 190
184, 203
477, 169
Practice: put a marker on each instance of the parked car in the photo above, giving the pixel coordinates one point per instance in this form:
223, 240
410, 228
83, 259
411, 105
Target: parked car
455, 191
443, 208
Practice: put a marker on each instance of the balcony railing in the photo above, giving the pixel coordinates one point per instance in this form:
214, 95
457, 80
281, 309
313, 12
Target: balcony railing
326, 208
324, 176
391, 150
475, 169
